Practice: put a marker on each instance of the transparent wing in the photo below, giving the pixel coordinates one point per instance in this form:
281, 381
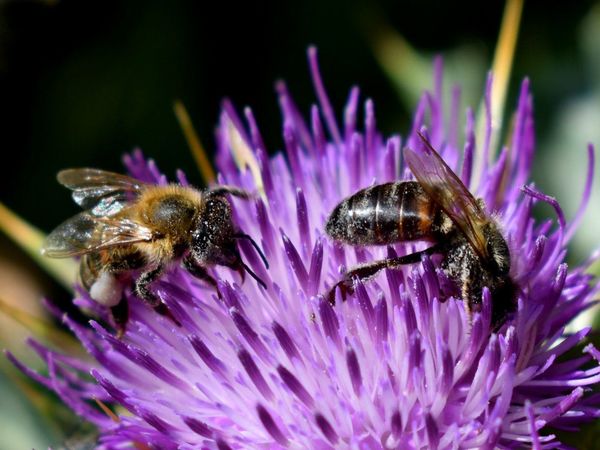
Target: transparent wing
446, 189
85, 233
102, 193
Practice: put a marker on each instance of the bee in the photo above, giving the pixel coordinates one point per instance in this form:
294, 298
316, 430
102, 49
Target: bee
437, 208
128, 226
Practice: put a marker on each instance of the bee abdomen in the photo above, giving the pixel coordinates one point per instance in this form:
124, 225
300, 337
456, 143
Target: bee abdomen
383, 214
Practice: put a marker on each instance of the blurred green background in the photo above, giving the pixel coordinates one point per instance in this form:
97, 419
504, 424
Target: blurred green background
83, 82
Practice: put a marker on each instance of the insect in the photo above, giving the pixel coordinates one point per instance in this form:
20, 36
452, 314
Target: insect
128, 226
437, 208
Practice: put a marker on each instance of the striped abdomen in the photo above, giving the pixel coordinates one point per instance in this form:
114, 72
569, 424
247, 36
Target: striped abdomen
384, 214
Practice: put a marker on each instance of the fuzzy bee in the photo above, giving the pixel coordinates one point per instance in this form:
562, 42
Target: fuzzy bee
128, 227
437, 208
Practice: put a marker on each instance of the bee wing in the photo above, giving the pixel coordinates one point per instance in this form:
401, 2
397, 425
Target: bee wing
446, 189
102, 193
85, 233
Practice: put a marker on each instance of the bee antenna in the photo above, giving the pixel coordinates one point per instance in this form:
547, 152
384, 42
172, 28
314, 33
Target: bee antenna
253, 275
255, 245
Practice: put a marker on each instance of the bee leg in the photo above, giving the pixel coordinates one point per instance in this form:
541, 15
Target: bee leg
142, 289
470, 307
471, 290
346, 284
164, 310
190, 264
142, 286
366, 271
120, 316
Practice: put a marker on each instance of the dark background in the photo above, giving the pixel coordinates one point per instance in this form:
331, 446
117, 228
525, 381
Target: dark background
83, 82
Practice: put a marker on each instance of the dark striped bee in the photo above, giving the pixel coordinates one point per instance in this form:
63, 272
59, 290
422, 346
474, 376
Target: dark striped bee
129, 226
437, 208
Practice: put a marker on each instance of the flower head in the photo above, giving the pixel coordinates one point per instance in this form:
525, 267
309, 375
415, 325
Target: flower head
398, 364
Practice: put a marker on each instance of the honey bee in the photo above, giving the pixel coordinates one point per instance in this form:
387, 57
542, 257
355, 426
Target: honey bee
437, 208
129, 226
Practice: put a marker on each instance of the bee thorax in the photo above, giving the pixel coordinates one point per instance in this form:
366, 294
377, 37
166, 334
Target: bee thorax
107, 290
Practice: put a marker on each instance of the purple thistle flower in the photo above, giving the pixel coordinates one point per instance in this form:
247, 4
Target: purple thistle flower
392, 367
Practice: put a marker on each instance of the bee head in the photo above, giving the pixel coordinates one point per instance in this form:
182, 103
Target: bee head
213, 239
